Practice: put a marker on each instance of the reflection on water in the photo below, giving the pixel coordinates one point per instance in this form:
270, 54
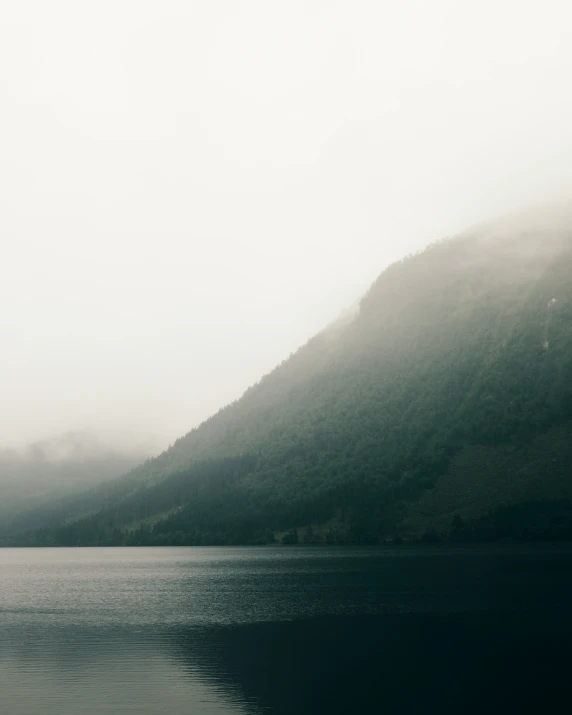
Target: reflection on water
78, 671
271, 630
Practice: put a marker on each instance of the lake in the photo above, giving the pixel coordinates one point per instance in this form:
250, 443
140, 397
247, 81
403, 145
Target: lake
285, 630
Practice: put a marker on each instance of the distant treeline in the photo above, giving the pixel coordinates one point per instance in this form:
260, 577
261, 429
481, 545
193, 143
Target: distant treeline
220, 510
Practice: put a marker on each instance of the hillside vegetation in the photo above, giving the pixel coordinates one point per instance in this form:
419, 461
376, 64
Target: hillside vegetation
445, 401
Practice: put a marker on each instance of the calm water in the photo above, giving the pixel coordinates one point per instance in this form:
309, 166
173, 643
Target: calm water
285, 630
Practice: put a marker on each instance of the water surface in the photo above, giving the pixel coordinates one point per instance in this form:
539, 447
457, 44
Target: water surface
285, 630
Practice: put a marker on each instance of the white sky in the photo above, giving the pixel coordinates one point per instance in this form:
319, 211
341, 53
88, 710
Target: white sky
190, 190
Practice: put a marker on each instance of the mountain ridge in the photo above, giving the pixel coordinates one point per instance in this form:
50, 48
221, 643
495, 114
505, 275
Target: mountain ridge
462, 345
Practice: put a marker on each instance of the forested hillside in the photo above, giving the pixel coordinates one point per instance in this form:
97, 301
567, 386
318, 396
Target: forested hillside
445, 402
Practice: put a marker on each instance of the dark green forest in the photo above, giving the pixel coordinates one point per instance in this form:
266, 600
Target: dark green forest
441, 410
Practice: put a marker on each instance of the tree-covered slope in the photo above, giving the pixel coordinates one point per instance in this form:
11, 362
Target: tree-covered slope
455, 371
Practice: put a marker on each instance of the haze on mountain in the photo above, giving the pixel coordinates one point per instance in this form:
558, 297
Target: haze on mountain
441, 409
190, 191
57, 468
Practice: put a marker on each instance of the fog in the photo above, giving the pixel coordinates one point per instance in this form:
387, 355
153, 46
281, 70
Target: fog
44, 471
190, 190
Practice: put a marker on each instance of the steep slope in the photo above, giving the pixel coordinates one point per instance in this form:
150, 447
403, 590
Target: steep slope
459, 357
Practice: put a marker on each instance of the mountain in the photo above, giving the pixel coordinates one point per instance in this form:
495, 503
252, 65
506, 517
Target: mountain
40, 472
441, 407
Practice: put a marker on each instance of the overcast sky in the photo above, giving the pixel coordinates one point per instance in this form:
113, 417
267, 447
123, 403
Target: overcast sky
190, 189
